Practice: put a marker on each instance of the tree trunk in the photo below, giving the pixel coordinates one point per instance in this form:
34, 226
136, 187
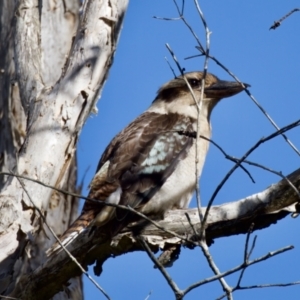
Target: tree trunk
52, 67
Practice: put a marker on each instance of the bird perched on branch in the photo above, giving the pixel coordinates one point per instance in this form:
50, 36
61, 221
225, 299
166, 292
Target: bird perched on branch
150, 164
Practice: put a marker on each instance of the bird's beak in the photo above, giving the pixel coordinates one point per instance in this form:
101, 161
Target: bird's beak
223, 89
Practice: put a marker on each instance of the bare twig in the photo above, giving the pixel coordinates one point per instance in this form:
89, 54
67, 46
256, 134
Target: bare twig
240, 267
198, 141
268, 285
252, 246
253, 99
199, 107
229, 157
181, 70
272, 121
277, 23
258, 286
128, 208
202, 243
207, 255
213, 266
261, 141
189, 27
178, 293
279, 173
172, 70
148, 296
234, 159
166, 19
247, 253
182, 18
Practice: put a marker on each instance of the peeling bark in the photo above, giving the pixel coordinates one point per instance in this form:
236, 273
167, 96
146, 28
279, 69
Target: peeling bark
53, 68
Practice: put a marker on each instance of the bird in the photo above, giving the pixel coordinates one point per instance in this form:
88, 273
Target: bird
150, 164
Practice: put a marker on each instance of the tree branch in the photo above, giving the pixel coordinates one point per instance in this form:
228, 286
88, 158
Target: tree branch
261, 209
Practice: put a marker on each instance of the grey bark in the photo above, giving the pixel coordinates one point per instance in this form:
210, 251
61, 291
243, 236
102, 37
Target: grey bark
53, 67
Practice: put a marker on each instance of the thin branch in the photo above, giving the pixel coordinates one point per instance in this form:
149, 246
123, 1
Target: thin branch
228, 290
203, 21
252, 246
199, 107
181, 70
278, 23
203, 244
207, 255
271, 121
181, 17
172, 70
205, 68
166, 19
178, 293
268, 285
261, 141
127, 208
234, 159
279, 173
254, 100
234, 270
148, 296
229, 157
189, 27
247, 254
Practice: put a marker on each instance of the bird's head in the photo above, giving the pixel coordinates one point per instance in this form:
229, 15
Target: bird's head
175, 95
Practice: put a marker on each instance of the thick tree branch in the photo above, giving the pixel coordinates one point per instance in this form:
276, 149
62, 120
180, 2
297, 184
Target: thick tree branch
262, 209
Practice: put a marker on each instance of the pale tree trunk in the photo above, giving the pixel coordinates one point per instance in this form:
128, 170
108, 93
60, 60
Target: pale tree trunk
53, 64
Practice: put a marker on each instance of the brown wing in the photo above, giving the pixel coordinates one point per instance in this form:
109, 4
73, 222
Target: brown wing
140, 158
148, 153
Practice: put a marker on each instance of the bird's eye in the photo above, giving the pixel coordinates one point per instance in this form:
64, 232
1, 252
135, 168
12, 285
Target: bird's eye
194, 82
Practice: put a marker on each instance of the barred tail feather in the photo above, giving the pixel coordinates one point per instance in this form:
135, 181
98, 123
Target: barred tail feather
79, 225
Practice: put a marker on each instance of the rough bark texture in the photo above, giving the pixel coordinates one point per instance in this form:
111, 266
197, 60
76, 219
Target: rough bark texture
12, 117
52, 67
262, 209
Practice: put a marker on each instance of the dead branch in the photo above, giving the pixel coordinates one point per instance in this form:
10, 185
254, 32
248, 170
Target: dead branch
261, 209
278, 23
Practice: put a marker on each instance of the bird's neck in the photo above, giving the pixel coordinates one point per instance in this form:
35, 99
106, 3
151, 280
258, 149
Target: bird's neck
190, 111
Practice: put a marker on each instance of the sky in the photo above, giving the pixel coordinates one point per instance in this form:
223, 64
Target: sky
269, 62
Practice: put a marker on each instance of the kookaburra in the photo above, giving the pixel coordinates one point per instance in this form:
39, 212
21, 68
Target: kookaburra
150, 164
